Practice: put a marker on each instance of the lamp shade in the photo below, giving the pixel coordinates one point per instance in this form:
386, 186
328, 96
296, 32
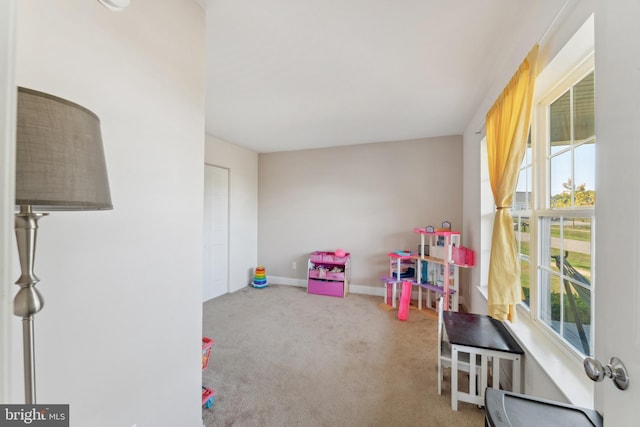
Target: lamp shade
60, 162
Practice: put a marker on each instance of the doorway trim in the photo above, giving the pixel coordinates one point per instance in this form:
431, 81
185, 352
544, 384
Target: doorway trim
8, 13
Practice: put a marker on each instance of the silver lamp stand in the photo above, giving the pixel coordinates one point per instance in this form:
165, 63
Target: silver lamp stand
28, 300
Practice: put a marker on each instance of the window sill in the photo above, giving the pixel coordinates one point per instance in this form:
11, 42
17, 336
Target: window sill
564, 370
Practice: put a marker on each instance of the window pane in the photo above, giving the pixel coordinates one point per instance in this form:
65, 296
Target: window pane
522, 197
576, 272
576, 244
553, 242
550, 304
525, 281
527, 154
560, 180
544, 231
522, 232
577, 316
583, 109
566, 288
584, 171
560, 121
521, 227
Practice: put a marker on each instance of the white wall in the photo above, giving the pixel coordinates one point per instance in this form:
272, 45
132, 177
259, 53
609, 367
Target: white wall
119, 338
243, 206
365, 199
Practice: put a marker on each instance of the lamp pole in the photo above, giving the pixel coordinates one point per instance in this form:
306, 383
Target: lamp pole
28, 300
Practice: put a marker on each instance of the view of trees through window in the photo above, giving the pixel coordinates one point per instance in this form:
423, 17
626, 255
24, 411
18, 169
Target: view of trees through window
582, 196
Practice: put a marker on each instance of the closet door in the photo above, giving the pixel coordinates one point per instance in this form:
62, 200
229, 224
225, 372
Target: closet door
216, 232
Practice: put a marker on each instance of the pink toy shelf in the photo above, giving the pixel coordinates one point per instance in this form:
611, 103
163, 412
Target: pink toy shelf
433, 268
328, 273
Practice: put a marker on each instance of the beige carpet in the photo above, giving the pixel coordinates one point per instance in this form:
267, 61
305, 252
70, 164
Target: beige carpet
283, 357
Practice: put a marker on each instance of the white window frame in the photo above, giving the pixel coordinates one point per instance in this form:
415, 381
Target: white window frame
541, 208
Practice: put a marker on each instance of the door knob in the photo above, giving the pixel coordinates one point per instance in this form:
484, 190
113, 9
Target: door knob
614, 370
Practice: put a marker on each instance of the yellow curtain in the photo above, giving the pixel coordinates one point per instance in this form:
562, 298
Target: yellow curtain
507, 128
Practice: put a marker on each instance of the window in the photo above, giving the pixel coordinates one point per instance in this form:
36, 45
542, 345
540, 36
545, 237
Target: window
553, 211
566, 219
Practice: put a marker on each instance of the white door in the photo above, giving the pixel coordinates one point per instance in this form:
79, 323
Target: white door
216, 232
617, 311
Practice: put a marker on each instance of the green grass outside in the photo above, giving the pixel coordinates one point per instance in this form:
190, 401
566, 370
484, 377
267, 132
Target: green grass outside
581, 233
580, 261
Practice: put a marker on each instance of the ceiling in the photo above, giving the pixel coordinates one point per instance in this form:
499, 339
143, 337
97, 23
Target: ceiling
290, 74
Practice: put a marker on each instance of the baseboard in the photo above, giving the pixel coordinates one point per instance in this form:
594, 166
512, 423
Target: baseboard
377, 291
366, 290
353, 288
288, 281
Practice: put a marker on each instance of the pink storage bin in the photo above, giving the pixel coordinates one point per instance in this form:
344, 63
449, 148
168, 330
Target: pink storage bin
316, 256
320, 287
340, 259
316, 274
320, 274
335, 276
327, 257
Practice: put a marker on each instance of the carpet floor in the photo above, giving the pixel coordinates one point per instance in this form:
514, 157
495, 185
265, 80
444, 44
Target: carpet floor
283, 357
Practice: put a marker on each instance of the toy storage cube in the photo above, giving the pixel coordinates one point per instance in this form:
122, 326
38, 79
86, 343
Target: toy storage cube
328, 273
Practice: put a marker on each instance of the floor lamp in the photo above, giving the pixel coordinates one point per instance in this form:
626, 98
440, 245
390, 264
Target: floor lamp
60, 166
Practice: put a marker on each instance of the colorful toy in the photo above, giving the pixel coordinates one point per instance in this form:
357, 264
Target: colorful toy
260, 278
340, 252
405, 300
208, 397
208, 394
